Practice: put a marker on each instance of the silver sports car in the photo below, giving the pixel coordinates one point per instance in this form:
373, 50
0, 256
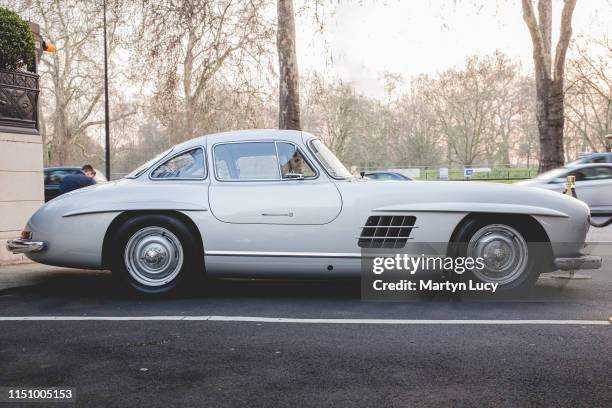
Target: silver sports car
593, 184
279, 203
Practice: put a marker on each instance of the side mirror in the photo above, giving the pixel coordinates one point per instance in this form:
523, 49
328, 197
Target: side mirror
295, 176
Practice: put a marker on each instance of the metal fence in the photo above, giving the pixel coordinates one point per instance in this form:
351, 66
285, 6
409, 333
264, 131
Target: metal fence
503, 173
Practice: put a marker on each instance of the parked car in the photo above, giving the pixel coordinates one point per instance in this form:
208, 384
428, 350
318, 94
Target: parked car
593, 158
279, 203
593, 184
386, 176
54, 175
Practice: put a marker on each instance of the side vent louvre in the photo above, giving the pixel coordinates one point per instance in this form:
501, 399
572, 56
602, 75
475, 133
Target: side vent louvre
386, 231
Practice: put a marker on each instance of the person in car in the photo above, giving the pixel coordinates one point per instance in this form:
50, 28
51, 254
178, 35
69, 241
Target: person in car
75, 181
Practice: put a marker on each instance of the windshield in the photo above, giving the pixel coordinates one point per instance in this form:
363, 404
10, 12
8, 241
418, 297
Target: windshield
332, 165
140, 169
552, 174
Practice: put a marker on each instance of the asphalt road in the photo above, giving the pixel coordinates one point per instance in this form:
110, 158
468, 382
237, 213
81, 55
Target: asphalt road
262, 363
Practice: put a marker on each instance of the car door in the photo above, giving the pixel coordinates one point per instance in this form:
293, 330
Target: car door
269, 182
594, 187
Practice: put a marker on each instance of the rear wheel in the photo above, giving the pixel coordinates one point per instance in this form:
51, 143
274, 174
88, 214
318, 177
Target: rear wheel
506, 248
155, 254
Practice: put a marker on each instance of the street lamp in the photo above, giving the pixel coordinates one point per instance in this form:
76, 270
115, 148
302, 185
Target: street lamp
106, 119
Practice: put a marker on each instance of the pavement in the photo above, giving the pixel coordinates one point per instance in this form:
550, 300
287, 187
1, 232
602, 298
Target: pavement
305, 343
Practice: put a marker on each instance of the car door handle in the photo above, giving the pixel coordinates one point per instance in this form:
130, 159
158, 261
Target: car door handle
289, 214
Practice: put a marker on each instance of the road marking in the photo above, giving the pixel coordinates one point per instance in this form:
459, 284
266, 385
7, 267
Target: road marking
300, 320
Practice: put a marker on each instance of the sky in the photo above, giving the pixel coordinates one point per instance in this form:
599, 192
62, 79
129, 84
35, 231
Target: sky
361, 41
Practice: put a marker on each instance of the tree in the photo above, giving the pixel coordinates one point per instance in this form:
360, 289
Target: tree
526, 123
464, 105
589, 94
337, 112
549, 76
289, 90
196, 47
71, 77
418, 139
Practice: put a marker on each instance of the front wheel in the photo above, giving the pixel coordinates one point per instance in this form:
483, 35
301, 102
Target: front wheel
155, 254
508, 257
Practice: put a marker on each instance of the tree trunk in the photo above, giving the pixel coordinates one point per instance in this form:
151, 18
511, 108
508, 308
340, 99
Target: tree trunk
549, 77
188, 108
60, 133
550, 126
289, 90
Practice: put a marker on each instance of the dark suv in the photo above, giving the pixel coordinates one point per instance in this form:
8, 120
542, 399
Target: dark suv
54, 176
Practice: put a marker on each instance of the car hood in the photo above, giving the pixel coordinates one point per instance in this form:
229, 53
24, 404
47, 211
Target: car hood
530, 182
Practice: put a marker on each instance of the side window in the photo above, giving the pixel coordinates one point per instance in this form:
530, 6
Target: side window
292, 162
188, 165
246, 161
599, 173
55, 177
598, 159
581, 175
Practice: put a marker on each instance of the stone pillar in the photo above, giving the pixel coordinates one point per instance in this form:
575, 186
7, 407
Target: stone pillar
21, 157
21, 186
21, 153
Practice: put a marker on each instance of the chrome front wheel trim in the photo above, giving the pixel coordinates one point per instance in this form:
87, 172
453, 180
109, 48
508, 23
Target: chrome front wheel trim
504, 253
153, 256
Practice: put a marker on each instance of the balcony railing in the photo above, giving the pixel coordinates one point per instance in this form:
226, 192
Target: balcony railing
18, 102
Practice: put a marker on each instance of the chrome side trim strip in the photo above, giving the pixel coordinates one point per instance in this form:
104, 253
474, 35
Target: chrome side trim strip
122, 208
285, 254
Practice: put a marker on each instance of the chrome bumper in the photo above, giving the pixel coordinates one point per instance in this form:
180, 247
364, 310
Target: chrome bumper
580, 262
22, 246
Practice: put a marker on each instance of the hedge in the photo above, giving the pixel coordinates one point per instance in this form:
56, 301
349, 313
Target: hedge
17, 48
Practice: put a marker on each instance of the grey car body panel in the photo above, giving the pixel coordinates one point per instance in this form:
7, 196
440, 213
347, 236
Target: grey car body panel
320, 239
286, 202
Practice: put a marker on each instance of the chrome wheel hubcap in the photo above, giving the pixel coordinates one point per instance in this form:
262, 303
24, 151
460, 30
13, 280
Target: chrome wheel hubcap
153, 256
503, 250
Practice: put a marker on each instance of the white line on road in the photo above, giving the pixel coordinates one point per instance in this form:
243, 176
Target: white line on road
298, 320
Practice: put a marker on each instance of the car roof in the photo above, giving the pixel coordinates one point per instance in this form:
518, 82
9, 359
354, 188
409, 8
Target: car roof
587, 165
596, 154
294, 136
